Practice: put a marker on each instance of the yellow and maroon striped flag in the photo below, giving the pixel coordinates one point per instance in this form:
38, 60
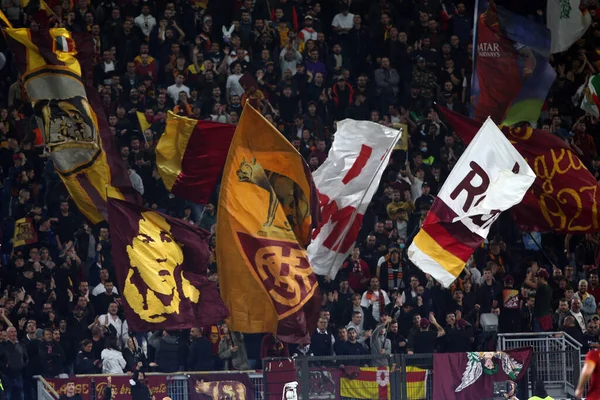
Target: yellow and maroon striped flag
190, 156
56, 68
490, 177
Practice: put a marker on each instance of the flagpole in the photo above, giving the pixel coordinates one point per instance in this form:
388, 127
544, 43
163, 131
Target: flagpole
353, 216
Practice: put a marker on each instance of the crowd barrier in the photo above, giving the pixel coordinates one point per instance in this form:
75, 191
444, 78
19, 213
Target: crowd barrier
404, 377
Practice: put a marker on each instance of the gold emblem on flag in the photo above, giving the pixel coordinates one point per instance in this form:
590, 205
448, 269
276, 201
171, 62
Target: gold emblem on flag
24, 231
282, 191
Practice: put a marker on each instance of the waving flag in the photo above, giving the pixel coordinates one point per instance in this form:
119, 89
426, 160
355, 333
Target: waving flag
565, 195
346, 182
471, 375
190, 156
267, 206
56, 69
512, 76
490, 177
161, 264
567, 23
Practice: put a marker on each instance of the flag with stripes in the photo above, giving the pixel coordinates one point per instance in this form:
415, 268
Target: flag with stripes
56, 68
490, 177
374, 383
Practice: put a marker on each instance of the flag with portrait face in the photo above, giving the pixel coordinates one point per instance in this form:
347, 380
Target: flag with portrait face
161, 264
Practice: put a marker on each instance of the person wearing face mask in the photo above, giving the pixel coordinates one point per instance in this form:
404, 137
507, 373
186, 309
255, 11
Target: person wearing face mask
426, 153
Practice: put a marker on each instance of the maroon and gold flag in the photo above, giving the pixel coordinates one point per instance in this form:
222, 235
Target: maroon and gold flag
471, 375
564, 197
267, 207
190, 156
161, 264
56, 67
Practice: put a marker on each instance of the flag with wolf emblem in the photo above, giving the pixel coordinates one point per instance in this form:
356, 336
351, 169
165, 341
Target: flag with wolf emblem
57, 74
161, 264
267, 207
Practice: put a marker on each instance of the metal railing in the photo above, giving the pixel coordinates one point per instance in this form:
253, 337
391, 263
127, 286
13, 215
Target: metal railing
318, 377
556, 357
177, 384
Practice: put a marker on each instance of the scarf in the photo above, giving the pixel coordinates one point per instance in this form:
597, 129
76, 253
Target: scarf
381, 299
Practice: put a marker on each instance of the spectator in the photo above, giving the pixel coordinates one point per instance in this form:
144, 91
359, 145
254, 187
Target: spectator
381, 346
134, 355
322, 340
112, 359
115, 325
588, 303
86, 362
200, 356
14, 355
51, 356
233, 351
70, 392
168, 351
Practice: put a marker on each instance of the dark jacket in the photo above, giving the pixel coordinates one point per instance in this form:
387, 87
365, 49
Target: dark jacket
168, 352
200, 356
139, 388
51, 358
84, 363
15, 356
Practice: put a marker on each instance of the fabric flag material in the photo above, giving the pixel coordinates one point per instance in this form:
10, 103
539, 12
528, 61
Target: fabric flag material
190, 156
565, 195
590, 102
490, 177
567, 23
56, 67
25, 233
267, 207
161, 264
403, 142
143, 121
39, 10
374, 383
468, 376
512, 75
346, 182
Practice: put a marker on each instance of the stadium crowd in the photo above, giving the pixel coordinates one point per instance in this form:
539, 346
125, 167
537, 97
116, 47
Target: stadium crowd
316, 63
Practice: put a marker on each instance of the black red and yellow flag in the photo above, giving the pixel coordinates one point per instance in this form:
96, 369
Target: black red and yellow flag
267, 205
161, 264
57, 74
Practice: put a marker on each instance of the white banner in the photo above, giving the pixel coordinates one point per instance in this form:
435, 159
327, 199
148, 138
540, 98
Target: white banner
566, 23
490, 177
346, 182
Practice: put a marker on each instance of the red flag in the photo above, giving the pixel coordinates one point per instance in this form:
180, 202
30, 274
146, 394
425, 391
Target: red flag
564, 197
471, 375
161, 264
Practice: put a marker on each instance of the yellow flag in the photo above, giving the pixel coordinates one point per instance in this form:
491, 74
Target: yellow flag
403, 142
263, 223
